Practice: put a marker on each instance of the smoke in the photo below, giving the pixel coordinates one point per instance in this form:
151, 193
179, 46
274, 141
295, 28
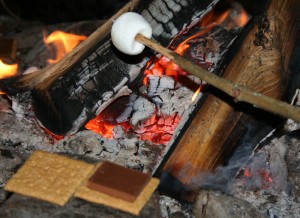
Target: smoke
223, 176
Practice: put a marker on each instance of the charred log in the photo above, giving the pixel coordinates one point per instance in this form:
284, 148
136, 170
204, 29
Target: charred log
99, 76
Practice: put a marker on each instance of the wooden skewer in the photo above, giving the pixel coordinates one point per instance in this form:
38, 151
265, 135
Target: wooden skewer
238, 92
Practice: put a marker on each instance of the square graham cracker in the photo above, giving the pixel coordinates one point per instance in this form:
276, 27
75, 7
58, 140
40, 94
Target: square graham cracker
134, 207
50, 177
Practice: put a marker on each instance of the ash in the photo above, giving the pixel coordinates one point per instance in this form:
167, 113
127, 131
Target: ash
272, 189
173, 208
267, 184
270, 180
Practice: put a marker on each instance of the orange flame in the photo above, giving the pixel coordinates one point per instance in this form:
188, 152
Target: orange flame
63, 43
7, 70
242, 19
196, 94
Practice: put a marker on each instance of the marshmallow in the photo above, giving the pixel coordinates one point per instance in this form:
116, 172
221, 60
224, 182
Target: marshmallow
124, 30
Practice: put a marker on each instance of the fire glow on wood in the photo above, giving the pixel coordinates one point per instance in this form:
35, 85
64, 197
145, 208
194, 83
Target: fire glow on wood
159, 127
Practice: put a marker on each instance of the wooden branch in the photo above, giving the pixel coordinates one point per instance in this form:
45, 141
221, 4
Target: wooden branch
239, 92
43, 79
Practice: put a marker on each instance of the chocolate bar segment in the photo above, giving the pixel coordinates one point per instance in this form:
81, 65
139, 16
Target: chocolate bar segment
118, 181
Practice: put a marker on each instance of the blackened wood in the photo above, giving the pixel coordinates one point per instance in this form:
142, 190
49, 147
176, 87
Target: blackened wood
77, 95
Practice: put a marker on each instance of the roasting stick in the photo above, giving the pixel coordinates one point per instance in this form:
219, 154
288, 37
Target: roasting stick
240, 93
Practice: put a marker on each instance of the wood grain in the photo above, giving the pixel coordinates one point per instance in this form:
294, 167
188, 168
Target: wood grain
261, 65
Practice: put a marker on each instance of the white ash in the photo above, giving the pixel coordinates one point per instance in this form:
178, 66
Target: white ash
23, 131
118, 132
178, 102
143, 109
22, 105
279, 156
164, 97
129, 143
125, 151
111, 146
159, 84
126, 114
85, 143
173, 208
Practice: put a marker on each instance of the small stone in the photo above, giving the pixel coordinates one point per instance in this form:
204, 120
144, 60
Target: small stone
212, 204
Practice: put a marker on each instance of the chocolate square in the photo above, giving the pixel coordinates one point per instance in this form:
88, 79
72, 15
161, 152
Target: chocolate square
118, 181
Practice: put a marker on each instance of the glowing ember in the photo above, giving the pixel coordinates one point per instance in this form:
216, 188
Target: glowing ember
101, 127
159, 128
258, 179
55, 137
7, 70
63, 43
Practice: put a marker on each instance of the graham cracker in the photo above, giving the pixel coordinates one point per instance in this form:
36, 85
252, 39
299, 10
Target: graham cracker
134, 208
49, 177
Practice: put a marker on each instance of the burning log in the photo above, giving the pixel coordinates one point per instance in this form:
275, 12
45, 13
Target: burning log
86, 80
262, 65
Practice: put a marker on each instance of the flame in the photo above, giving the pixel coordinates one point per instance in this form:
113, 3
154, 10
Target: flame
196, 94
7, 70
241, 19
63, 43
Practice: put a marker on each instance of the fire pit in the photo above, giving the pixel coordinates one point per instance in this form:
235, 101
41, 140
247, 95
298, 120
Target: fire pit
141, 130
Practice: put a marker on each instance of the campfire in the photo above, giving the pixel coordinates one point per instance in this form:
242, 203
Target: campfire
146, 112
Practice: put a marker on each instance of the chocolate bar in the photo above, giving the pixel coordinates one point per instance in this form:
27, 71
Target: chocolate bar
118, 181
